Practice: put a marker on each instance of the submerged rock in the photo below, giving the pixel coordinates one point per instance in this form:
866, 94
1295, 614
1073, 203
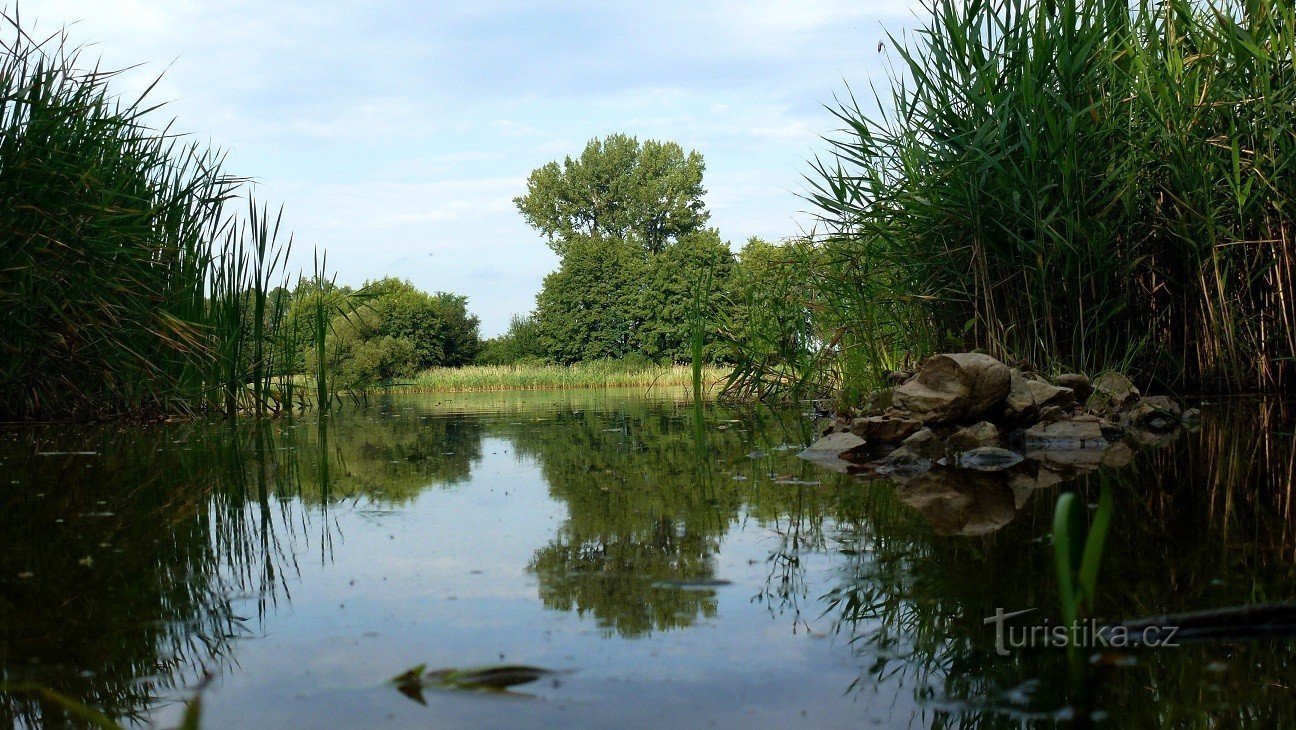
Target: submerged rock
989, 458
951, 387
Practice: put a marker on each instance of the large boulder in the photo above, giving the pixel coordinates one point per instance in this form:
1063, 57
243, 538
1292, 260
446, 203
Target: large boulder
1113, 392
953, 387
1028, 397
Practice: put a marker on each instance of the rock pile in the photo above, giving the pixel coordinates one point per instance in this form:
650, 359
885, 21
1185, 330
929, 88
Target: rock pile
966, 429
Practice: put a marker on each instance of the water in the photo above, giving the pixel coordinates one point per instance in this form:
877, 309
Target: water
674, 573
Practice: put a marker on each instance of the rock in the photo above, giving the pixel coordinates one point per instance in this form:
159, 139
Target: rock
827, 451
1077, 432
1111, 430
989, 458
1118, 455
1191, 416
924, 443
1027, 397
1112, 392
1162, 403
962, 504
898, 377
952, 387
884, 429
877, 402
975, 436
1069, 461
902, 463
1155, 413
1079, 384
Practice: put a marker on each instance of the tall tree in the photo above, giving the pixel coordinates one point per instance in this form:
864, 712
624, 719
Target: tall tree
586, 309
649, 193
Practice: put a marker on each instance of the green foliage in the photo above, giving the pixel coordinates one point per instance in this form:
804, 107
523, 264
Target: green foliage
627, 221
129, 284
585, 309
1076, 184
688, 275
521, 344
388, 329
769, 326
618, 188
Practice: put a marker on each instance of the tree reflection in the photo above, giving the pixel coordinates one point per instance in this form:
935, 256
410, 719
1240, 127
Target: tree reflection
130, 554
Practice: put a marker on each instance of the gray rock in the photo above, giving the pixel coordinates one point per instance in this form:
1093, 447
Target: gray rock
1154, 413
1027, 398
924, 443
953, 387
989, 458
903, 463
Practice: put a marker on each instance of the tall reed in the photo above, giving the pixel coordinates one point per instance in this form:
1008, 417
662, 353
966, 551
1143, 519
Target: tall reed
1079, 183
131, 286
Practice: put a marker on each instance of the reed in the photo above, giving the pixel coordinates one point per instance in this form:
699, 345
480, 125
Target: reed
595, 374
132, 283
1082, 184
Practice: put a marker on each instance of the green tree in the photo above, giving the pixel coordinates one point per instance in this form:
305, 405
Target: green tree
650, 193
520, 344
586, 309
665, 297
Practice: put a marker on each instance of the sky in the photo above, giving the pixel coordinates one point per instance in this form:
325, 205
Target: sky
396, 134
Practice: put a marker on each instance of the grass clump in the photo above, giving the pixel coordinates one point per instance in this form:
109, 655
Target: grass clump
130, 282
1077, 183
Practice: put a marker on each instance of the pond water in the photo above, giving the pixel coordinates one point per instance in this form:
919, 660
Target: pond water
673, 572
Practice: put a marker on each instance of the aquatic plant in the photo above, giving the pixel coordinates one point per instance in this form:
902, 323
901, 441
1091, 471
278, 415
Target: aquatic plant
131, 282
1087, 184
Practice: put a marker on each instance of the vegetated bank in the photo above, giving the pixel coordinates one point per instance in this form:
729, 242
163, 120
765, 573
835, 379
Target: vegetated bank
1086, 186
593, 374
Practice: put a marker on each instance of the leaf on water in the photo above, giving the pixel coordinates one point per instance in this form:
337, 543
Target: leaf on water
497, 678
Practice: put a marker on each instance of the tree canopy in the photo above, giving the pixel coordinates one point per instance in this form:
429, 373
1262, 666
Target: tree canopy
649, 193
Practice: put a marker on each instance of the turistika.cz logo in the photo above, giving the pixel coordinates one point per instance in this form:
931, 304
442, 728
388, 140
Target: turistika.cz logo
1087, 633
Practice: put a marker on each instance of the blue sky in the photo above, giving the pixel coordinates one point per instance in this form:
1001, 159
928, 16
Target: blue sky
396, 134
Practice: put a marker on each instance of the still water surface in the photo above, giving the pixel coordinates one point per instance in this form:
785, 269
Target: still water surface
677, 573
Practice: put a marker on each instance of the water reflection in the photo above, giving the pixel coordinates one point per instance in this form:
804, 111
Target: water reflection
135, 559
